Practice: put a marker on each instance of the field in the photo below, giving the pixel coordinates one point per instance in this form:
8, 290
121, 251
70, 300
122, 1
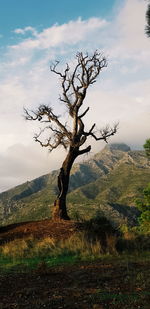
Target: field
90, 267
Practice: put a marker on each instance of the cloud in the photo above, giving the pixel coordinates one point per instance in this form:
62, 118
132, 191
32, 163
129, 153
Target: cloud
25, 30
22, 163
129, 29
132, 25
128, 106
60, 34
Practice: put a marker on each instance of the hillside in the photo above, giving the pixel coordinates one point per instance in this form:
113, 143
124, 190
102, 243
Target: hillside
108, 182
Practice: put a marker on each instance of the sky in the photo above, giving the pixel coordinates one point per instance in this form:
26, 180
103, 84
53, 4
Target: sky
35, 33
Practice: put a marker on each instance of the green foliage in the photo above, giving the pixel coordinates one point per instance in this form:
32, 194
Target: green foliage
144, 206
147, 195
147, 147
144, 203
144, 221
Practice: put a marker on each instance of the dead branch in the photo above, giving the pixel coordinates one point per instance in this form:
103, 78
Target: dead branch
74, 84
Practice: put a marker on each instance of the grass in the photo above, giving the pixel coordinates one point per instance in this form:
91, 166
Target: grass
29, 253
113, 277
98, 240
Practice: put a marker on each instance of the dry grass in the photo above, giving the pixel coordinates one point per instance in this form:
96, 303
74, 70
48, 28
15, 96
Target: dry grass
15, 248
80, 246
111, 241
96, 240
77, 245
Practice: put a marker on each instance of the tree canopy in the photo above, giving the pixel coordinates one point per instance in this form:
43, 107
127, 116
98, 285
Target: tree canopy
147, 147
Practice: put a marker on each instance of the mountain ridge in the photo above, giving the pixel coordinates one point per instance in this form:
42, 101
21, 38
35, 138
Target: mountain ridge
114, 176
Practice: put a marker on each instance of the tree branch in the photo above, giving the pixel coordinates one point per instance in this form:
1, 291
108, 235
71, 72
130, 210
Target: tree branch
46, 111
105, 133
74, 83
58, 139
84, 113
85, 150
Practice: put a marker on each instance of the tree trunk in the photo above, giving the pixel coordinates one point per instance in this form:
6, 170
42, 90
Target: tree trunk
60, 208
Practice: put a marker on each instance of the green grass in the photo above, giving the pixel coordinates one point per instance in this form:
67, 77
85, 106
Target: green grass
42, 263
28, 264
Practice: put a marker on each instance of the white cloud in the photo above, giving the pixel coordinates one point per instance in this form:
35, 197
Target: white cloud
22, 163
132, 24
70, 33
129, 28
25, 30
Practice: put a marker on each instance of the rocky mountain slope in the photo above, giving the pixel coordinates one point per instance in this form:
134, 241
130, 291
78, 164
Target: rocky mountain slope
107, 183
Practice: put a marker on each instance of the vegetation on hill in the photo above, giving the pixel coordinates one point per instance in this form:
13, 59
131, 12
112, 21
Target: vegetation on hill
144, 206
143, 203
147, 147
109, 183
87, 264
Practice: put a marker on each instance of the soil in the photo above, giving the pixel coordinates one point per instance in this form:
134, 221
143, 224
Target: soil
113, 284
39, 229
85, 285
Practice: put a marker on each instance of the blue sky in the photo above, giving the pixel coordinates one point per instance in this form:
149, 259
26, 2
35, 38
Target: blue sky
15, 13
35, 33
42, 14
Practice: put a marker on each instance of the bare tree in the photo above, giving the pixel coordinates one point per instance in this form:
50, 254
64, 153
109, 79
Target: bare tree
74, 84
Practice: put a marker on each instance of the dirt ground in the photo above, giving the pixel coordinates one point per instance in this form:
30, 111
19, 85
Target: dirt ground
113, 284
39, 229
85, 285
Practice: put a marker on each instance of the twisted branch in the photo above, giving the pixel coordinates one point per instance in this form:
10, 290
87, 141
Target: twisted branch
74, 84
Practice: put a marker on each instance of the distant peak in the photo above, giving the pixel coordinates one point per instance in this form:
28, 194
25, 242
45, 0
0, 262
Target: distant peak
118, 146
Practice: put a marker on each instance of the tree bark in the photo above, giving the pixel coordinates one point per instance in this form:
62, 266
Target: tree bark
60, 209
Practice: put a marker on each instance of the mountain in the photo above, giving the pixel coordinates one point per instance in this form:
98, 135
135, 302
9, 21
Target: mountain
107, 183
